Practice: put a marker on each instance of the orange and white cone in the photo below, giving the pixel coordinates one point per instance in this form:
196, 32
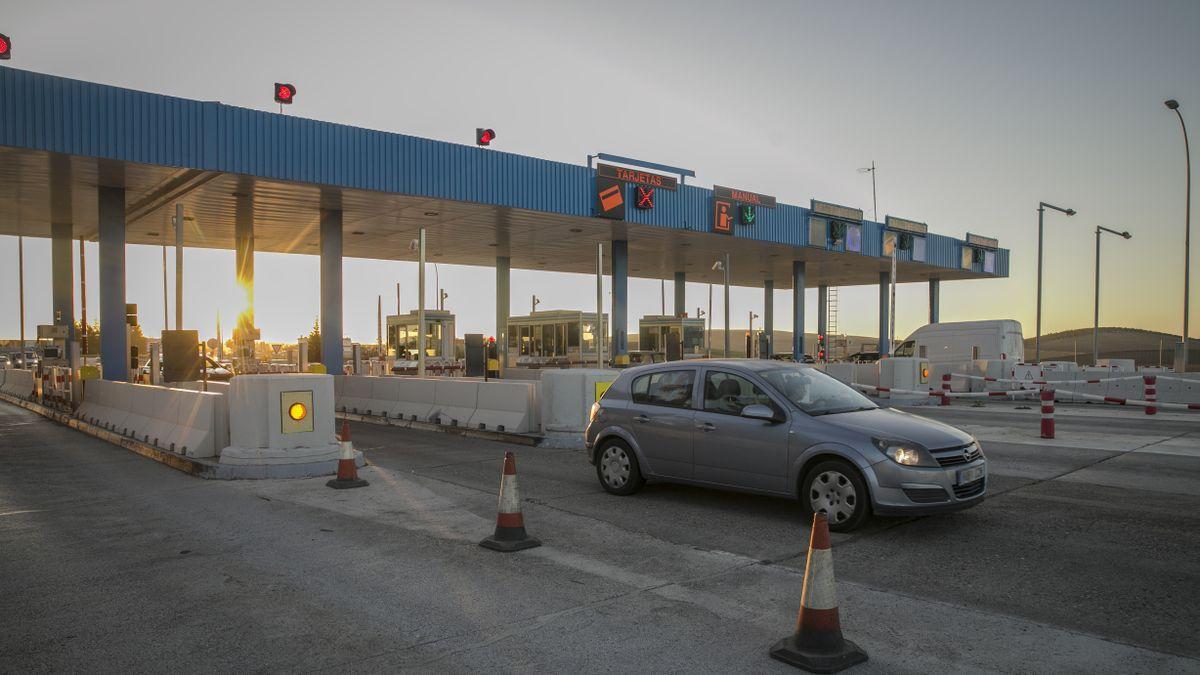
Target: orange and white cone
817, 645
510, 532
347, 471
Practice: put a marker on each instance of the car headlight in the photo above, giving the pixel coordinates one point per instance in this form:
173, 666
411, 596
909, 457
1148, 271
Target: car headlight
904, 453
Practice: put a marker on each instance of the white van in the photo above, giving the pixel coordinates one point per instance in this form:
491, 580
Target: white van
961, 341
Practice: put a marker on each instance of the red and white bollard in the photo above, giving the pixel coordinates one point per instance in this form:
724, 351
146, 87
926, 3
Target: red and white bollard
1150, 387
945, 389
1047, 413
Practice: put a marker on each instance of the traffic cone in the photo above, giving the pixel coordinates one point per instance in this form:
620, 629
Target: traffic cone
817, 645
347, 473
510, 524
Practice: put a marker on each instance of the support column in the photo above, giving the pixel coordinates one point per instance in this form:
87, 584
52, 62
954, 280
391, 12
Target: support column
114, 342
503, 296
935, 287
620, 302
331, 291
769, 316
63, 276
885, 283
680, 294
798, 270
243, 246
822, 312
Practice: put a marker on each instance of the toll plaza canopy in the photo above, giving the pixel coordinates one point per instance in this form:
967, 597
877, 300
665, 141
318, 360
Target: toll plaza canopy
66, 144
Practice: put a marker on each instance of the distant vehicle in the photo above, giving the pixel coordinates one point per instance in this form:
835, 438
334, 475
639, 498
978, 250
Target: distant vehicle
5, 362
639, 358
783, 429
962, 341
216, 371
27, 360
863, 357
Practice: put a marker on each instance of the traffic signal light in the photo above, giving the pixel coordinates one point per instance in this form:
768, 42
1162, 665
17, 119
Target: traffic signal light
285, 93
484, 136
5, 47
820, 347
747, 214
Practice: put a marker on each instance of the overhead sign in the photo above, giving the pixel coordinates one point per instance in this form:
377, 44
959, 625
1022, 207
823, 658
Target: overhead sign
836, 211
723, 215
902, 225
982, 242
747, 214
644, 199
610, 198
637, 176
744, 197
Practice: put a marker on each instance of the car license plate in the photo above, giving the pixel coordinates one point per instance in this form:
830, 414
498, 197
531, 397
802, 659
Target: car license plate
970, 475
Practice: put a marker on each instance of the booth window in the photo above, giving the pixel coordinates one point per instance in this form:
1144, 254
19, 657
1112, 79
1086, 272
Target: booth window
818, 231
918, 249
989, 262
854, 237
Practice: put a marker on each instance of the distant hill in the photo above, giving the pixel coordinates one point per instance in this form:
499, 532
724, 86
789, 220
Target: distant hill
1115, 343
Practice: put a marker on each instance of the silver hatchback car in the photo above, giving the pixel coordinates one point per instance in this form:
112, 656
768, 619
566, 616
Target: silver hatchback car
780, 429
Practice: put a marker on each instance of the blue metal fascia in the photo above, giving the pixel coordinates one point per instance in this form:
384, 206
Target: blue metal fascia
73, 117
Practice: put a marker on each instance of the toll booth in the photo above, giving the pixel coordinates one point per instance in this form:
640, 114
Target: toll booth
555, 338
402, 331
658, 335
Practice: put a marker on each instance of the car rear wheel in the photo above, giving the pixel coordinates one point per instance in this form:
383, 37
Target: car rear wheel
837, 489
617, 468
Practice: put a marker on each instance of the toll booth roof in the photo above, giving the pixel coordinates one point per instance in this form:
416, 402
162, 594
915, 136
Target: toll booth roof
60, 139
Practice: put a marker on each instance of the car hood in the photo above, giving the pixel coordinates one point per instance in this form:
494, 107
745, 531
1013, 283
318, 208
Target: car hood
899, 426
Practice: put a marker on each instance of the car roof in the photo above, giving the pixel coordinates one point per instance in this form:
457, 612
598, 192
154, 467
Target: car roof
755, 365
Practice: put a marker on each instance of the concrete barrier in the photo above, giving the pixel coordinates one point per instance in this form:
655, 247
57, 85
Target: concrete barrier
454, 401
506, 406
567, 396
186, 422
356, 393
258, 435
19, 383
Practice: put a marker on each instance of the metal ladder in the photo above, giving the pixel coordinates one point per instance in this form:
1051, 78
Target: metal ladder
831, 320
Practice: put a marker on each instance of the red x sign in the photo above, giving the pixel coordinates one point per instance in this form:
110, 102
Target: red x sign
645, 197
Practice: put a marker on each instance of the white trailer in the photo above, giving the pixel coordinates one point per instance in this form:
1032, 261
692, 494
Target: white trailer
963, 341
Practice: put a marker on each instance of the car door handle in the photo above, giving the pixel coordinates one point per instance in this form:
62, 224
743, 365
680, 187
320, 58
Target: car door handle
641, 418
706, 426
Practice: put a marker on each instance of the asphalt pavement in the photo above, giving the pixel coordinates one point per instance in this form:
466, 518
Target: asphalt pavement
1081, 559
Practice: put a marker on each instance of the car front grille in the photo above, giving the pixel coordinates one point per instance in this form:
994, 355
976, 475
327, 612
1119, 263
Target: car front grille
954, 456
968, 490
926, 495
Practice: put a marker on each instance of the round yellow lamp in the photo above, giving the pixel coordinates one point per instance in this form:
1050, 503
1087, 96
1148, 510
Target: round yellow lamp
297, 411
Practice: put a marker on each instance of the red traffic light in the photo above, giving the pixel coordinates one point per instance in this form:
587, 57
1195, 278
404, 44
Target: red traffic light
5, 47
284, 93
484, 136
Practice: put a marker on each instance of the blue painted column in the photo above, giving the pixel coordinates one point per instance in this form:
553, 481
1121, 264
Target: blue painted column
935, 288
798, 270
503, 297
769, 316
680, 294
114, 343
885, 281
62, 272
823, 317
331, 291
620, 302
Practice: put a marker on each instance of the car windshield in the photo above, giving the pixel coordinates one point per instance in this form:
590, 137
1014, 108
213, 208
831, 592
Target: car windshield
815, 392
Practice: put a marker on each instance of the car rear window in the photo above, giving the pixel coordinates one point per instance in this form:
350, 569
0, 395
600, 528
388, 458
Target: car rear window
671, 388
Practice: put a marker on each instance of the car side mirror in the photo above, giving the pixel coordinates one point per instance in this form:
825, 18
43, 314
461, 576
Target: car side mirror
759, 411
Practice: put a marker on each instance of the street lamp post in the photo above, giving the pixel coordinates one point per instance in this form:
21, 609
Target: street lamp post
1096, 318
723, 266
1037, 341
1181, 352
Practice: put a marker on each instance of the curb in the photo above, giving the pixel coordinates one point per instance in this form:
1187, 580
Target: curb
498, 436
194, 467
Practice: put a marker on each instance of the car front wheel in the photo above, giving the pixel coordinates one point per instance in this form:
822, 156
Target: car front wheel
836, 488
617, 468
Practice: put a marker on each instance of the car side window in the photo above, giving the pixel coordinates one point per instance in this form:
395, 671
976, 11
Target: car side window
729, 394
672, 388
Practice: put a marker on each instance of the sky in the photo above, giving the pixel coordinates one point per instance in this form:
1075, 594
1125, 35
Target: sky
972, 111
